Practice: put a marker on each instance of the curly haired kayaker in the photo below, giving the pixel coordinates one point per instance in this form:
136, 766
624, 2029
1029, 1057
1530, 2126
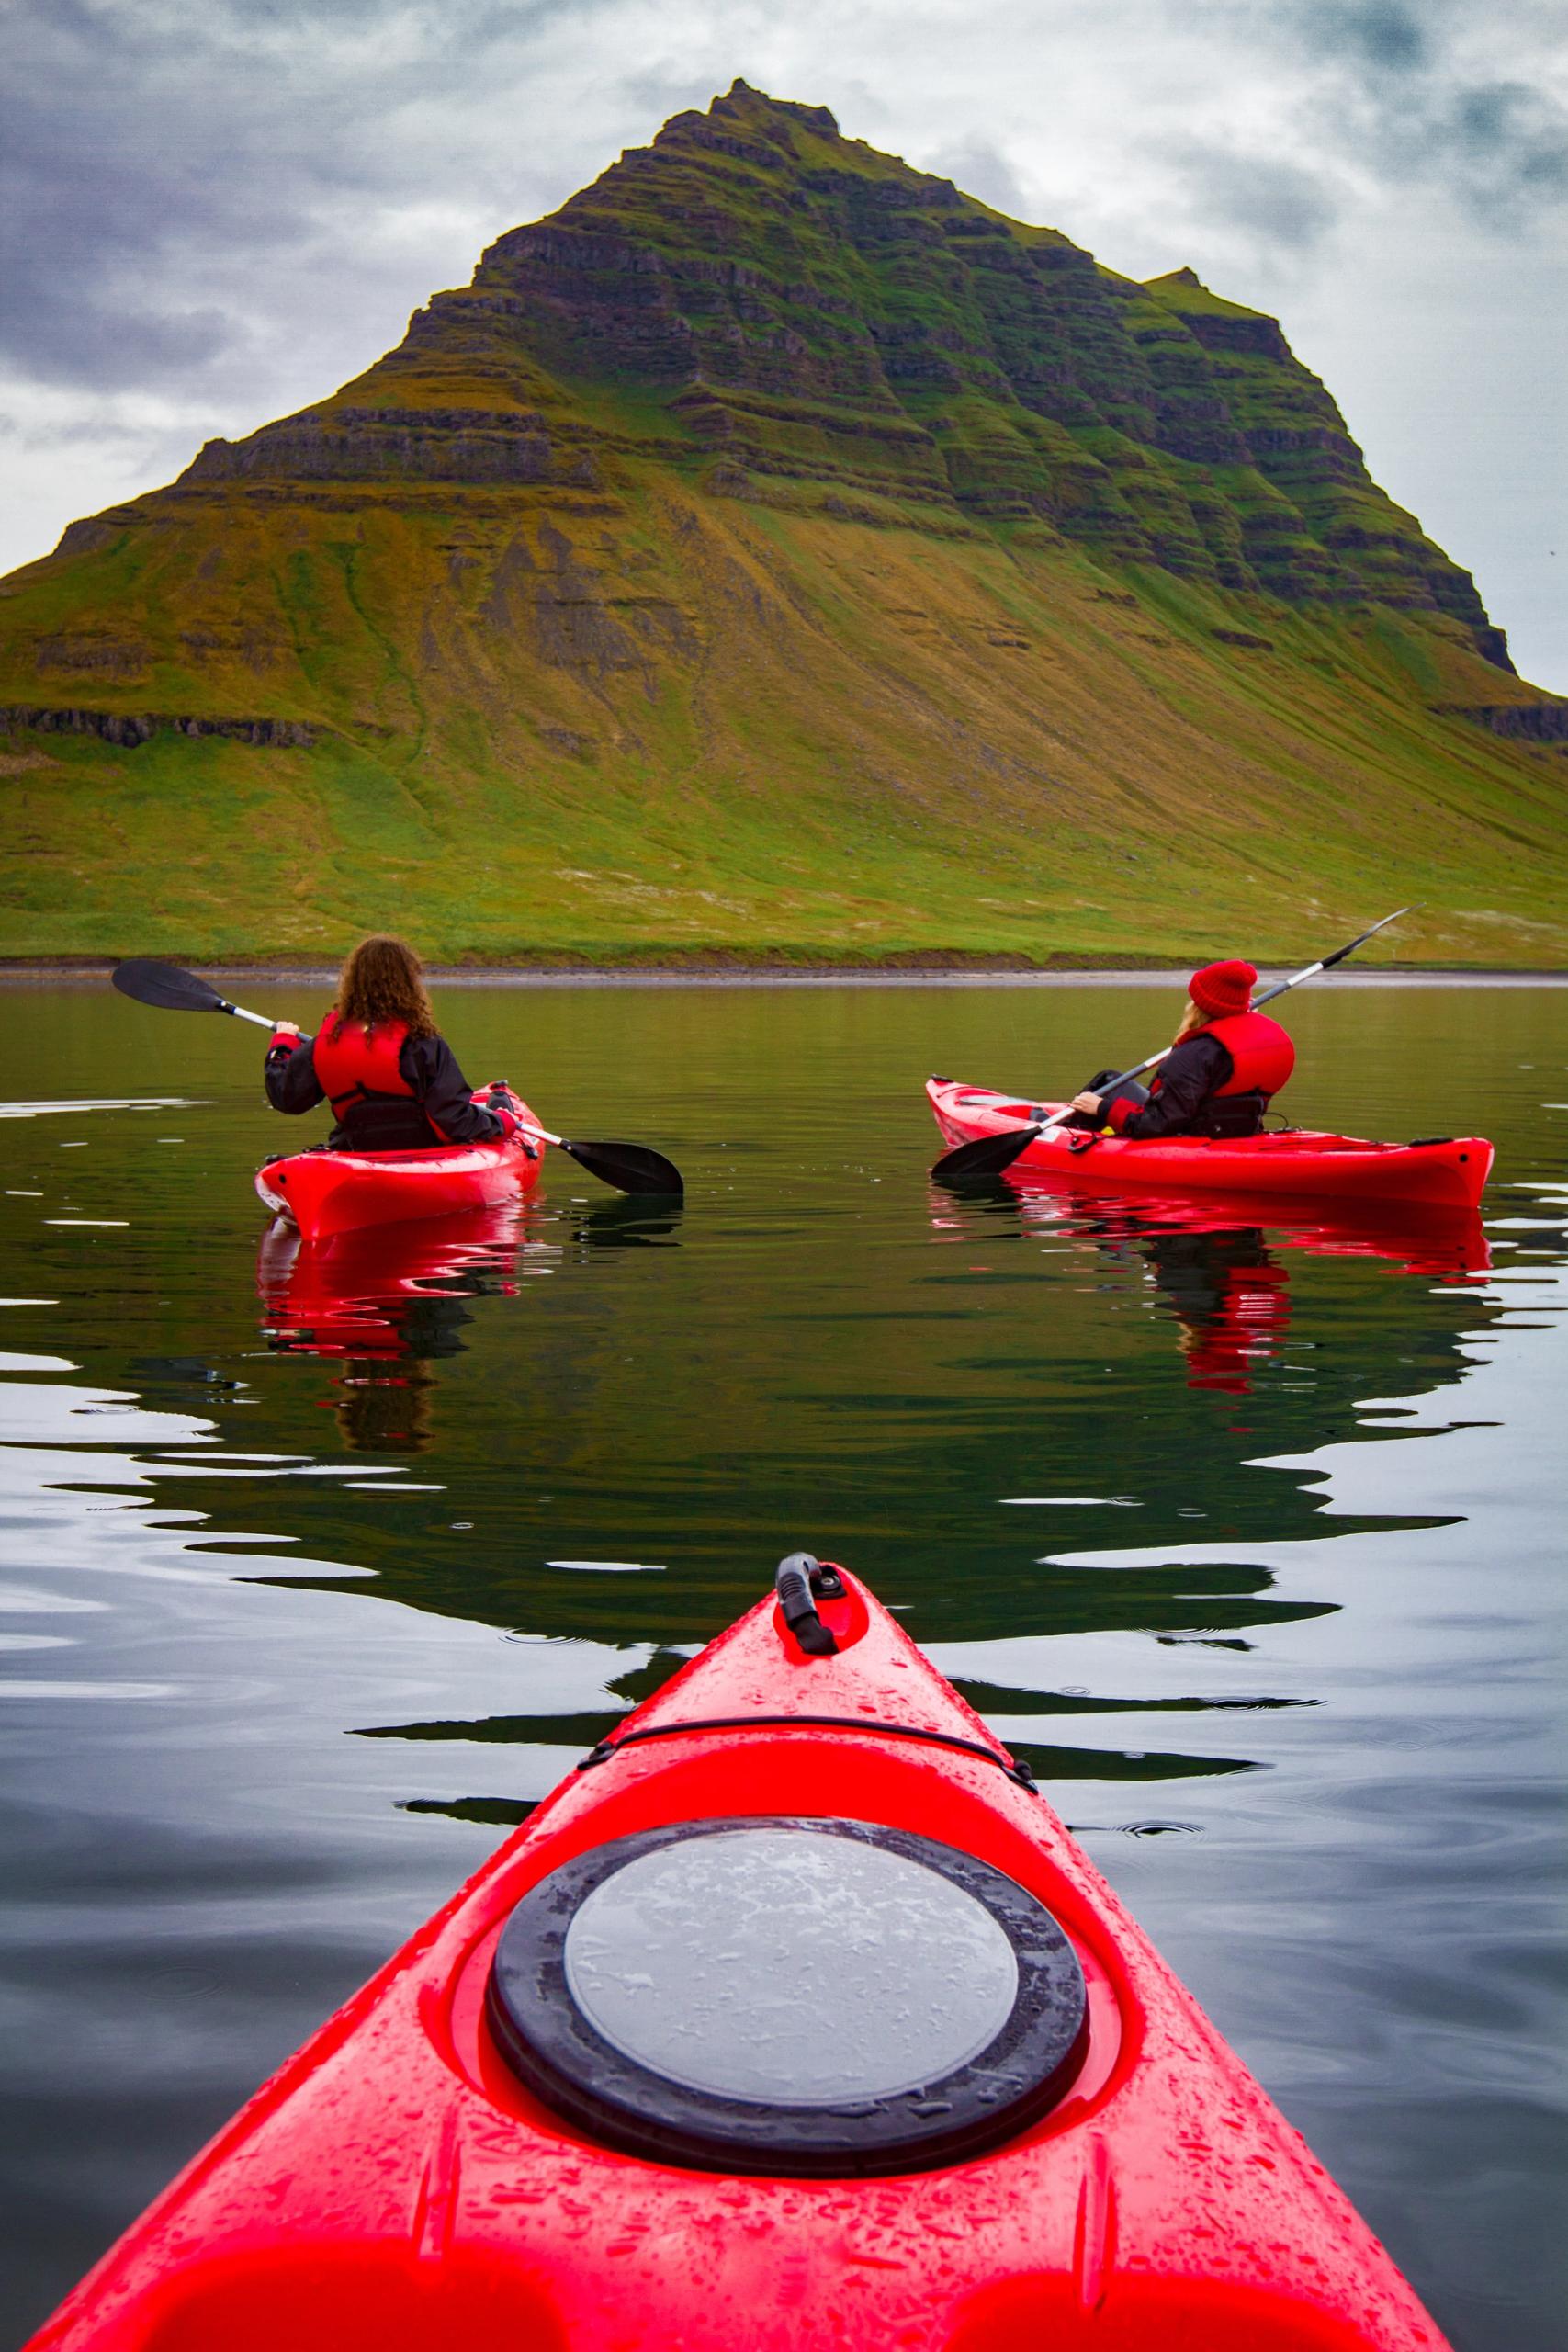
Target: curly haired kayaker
1226, 1063
392, 1079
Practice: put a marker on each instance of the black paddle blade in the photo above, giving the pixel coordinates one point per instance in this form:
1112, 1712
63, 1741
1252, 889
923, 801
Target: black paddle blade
970, 1163
630, 1166
1340, 954
166, 986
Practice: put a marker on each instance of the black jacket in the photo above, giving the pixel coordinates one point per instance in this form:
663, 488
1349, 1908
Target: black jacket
1195, 1072
426, 1064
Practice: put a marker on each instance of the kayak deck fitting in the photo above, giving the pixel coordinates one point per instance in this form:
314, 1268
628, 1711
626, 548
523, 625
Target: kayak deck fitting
792, 2021
1441, 1173
328, 1193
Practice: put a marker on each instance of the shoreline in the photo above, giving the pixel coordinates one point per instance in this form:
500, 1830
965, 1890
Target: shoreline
91, 971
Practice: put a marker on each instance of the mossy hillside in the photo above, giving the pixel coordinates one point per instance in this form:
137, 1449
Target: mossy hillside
807, 738
776, 554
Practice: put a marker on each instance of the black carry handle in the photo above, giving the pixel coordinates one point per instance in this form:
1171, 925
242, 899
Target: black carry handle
798, 1581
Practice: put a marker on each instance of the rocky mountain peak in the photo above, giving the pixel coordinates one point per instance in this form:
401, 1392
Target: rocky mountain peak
775, 512
793, 318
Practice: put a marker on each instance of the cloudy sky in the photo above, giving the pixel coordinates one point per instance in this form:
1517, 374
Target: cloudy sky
214, 213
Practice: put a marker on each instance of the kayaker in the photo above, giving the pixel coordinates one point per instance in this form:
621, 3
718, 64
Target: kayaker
392, 1079
1226, 1062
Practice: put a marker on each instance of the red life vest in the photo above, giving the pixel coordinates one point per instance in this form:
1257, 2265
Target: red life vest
359, 1069
1262, 1056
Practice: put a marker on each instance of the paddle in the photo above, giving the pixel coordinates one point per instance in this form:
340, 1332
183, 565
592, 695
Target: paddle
992, 1155
172, 990
629, 1167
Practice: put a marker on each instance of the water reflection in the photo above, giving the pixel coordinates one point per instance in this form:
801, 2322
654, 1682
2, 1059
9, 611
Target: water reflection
1216, 1264
389, 1291
1228, 1290
386, 1303
628, 1225
1303, 1721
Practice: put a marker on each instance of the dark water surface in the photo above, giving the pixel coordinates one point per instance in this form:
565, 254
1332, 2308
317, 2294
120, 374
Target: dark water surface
317, 1572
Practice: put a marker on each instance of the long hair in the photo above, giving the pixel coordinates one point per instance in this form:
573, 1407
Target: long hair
381, 981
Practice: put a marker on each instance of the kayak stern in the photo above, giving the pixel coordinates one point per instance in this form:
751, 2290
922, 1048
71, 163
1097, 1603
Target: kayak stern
329, 1193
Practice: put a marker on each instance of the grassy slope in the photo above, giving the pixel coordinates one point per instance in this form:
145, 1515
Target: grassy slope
651, 721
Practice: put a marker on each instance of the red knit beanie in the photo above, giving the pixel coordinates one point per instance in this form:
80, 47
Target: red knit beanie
1220, 989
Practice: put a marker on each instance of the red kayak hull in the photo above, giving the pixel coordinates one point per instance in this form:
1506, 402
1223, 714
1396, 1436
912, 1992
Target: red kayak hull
394, 2189
327, 1192
1449, 1173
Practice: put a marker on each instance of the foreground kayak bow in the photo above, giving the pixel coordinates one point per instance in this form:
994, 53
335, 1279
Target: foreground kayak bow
794, 2019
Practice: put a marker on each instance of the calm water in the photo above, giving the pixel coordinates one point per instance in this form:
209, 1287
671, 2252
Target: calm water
319, 1571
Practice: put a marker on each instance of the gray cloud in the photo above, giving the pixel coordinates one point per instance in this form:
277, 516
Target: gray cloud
1513, 142
1414, 98
156, 154
1270, 204
1384, 36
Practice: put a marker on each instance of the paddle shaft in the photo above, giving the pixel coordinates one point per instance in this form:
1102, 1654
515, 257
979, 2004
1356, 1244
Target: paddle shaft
629, 1167
240, 1013
216, 1003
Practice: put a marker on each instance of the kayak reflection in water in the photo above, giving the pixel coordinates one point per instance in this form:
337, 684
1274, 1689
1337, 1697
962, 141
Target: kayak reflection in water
392, 1079
1222, 1284
1224, 1281
385, 1305
1224, 1064
1231, 1297
378, 1411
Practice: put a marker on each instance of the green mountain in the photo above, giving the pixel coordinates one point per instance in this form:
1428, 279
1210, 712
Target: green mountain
777, 553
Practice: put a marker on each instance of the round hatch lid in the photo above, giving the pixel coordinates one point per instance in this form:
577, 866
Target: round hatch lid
782, 1995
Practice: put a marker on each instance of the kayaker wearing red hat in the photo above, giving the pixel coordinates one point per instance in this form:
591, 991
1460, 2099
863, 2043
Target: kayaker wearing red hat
1226, 1063
391, 1076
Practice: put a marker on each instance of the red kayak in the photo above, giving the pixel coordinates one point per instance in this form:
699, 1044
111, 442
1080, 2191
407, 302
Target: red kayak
1441, 1173
793, 2021
328, 1193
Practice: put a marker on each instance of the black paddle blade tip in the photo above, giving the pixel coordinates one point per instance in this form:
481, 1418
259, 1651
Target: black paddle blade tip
166, 986
982, 1160
630, 1167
